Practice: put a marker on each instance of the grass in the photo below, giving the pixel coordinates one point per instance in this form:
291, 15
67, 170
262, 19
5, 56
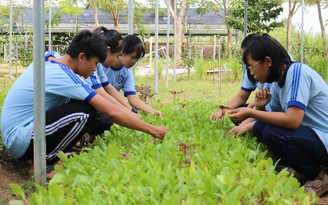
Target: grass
192, 88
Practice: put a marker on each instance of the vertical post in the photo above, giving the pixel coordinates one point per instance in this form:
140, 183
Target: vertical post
150, 51
245, 17
156, 45
39, 92
167, 44
130, 17
302, 32
245, 27
49, 28
10, 37
214, 53
219, 72
16, 59
175, 40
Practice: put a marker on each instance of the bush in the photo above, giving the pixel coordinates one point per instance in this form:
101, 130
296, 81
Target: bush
201, 66
319, 64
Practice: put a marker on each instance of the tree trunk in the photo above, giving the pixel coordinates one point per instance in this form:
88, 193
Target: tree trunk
289, 28
322, 27
181, 19
93, 5
228, 54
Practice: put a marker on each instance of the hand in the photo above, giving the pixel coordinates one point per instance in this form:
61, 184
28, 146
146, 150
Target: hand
216, 115
262, 98
157, 112
159, 132
240, 130
239, 114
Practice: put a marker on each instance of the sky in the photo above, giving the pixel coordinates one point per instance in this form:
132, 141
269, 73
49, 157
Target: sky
311, 19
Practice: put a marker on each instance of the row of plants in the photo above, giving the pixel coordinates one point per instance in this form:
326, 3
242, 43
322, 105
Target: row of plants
196, 163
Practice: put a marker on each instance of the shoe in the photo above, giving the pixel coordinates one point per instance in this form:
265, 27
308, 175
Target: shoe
319, 187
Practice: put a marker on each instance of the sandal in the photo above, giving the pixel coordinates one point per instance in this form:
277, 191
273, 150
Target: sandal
319, 187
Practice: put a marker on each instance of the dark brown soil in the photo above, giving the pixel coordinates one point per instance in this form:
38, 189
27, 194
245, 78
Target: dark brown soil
11, 172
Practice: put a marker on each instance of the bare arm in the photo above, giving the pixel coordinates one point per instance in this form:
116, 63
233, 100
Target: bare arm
138, 104
101, 91
126, 118
115, 94
241, 98
290, 119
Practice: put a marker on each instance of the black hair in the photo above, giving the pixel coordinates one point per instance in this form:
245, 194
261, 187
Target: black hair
112, 38
132, 44
248, 39
89, 43
265, 46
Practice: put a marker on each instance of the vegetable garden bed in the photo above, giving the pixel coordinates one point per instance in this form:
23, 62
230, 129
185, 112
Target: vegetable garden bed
196, 163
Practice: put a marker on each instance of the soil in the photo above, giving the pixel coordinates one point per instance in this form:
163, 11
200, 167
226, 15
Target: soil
11, 172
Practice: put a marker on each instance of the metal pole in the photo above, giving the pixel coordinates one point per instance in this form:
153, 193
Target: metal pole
150, 51
49, 28
219, 62
10, 37
130, 17
39, 92
245, 28
214, 53
167, 44
302, 33
156, 46
245, 18
175, 40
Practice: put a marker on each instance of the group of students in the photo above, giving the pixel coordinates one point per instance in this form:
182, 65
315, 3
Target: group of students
79, 98
289, 113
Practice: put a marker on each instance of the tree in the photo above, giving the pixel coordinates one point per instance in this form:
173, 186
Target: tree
67, 7
180, 18
93, 4
293, 6
322, 27
112, 9
261, 15
221, 8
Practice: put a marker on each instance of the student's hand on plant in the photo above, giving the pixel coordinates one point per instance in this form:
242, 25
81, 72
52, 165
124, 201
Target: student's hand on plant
157, 112
216, 115
159, 132
239, 130
239, 114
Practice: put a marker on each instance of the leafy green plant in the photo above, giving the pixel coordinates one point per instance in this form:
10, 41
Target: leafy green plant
175, 93
201, 66
184, 148
145, 92
224, 170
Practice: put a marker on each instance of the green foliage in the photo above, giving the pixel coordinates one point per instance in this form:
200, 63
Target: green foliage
67, 7
145, 92
261, 15
201, 66
237, 68
319, 64
139, 11
197, 163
